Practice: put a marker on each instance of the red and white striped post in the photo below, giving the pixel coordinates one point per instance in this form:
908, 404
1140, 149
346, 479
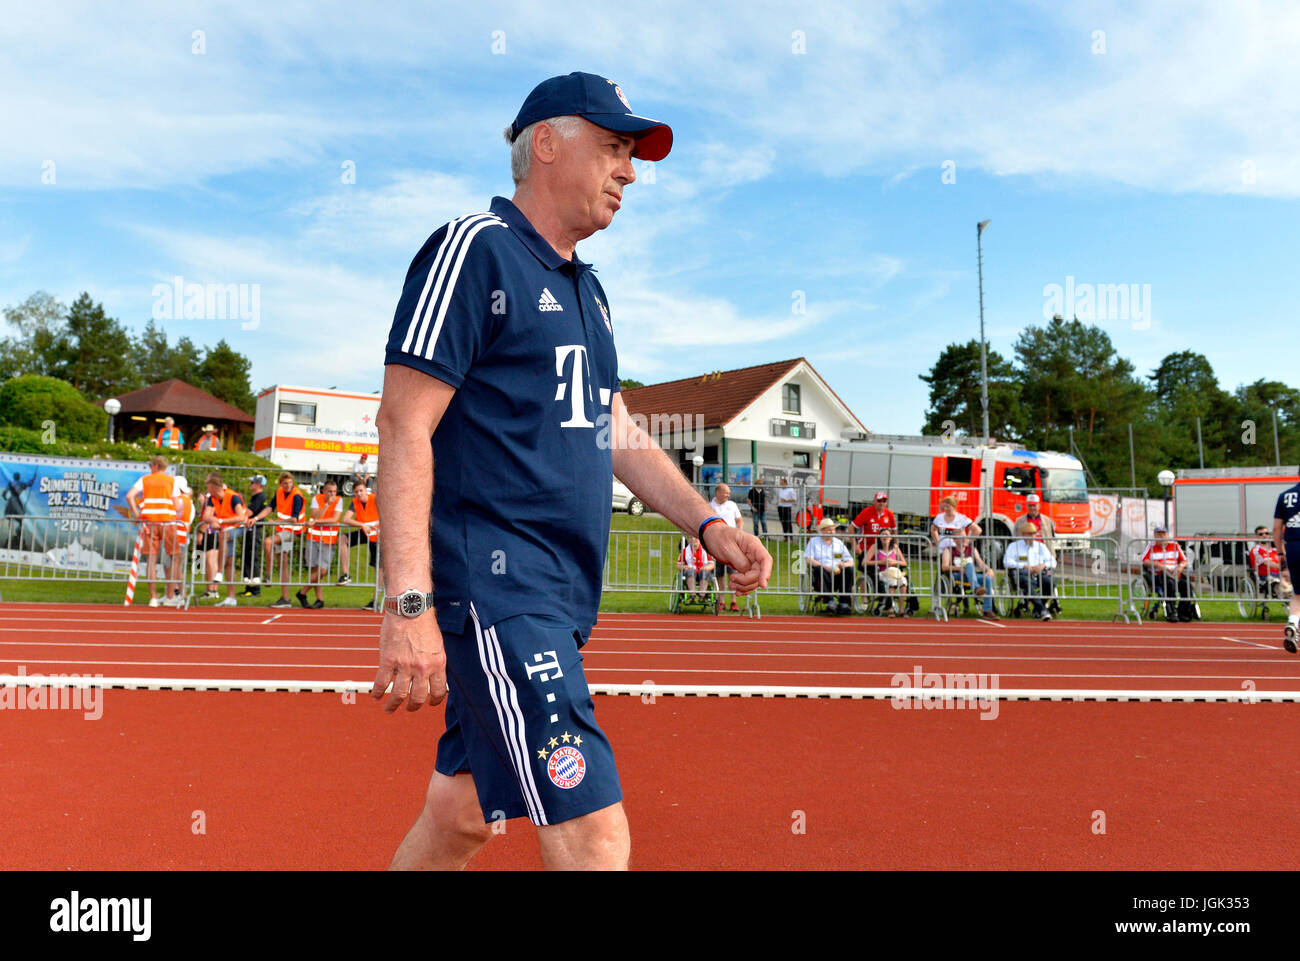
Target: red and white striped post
135, 567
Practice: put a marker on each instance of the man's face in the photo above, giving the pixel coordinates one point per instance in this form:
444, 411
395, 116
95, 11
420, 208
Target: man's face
1160, 536
329, 490
286, 484
214, 489
591, 171
254, 487
723, 493
1033, 508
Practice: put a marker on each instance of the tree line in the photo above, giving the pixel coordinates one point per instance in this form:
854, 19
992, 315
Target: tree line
1067, 379
97, 354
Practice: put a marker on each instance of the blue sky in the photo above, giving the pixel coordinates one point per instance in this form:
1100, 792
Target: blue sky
1115, 143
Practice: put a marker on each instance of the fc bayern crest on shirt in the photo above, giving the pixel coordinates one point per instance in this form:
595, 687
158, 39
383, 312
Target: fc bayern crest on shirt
604, 315
619, 91
566, 767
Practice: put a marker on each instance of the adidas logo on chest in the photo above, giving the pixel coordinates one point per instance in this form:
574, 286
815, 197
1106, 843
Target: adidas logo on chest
548, 302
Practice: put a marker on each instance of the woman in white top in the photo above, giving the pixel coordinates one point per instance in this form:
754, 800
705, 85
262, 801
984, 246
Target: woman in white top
947, 527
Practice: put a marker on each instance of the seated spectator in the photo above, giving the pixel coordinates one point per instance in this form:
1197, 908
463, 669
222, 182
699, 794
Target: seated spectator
1029, 566
947, 525
1166, 564
1264, 562
976, 574
890, 567
699, 568
830, 567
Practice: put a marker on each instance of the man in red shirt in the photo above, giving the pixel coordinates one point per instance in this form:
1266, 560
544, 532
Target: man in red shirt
1167, 565
1264, 562
873, 519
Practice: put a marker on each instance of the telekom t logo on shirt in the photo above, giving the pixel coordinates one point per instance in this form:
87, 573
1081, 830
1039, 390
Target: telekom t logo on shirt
573, 384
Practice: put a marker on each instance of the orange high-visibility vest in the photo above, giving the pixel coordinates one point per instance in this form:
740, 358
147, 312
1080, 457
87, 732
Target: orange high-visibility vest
332, 512
170, 437
208, 442
224, 506
185, 520
156, 504
283, 507
367, 513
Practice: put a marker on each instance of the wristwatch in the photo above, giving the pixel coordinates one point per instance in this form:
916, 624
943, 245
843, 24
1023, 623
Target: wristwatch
409, 603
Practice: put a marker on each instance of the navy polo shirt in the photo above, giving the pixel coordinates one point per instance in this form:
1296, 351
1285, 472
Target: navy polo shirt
522, 469
1288, 512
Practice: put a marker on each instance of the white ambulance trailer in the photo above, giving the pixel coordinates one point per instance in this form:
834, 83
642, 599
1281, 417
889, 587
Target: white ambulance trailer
316, 433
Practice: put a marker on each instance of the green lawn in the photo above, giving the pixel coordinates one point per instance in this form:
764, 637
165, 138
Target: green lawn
637, 558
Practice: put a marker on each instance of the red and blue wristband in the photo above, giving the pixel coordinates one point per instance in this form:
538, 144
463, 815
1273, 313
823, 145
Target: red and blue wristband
715, 519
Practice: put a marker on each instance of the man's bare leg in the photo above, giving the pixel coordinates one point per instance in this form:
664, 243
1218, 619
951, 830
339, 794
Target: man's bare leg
449, 831
597, 841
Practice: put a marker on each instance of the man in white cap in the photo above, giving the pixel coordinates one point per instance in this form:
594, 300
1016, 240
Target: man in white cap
1045, 529
830, 567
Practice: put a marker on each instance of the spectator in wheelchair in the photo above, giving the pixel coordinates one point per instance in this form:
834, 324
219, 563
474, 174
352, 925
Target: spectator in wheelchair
1264, 562
1165, 566
1029, 568
698, 569
830, 567
885, 564
974, 573
947, 525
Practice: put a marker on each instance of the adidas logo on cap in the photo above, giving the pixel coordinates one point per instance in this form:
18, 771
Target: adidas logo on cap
548, 302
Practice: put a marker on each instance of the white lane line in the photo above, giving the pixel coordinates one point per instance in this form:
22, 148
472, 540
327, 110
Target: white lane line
952, 655
259, 664
1002, 674
185, 632
1252, 643
186, 646
991, 623
273, 618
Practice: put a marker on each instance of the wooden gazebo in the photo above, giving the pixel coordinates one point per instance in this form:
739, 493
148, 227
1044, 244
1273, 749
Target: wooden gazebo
144, 410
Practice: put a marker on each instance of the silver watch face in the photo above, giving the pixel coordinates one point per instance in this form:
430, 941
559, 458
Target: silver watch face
411, 604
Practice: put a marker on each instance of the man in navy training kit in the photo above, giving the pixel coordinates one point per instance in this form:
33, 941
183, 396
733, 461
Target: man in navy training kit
502, 352
1286, 538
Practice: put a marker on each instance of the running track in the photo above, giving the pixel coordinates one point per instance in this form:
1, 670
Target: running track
320, 780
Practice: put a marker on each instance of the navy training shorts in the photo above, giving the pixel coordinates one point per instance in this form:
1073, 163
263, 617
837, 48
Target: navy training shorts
521, 720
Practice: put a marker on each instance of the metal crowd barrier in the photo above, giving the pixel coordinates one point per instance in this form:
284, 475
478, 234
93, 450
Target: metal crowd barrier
102, 551
1218, 574
646, 562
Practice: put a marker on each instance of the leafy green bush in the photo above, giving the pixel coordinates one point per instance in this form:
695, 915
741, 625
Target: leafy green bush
33, 402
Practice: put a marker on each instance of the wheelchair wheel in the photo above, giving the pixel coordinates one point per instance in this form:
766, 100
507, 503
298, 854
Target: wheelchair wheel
1248, 602
864, 598
805, 585
675, 601
1143, 598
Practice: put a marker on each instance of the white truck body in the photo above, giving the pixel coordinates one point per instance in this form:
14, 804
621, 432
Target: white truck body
317, 433
1228, 500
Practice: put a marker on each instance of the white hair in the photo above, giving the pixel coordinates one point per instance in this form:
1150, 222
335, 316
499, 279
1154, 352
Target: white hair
521, 148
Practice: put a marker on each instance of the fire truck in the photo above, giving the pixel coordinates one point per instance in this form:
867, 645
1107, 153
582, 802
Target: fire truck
317, 434
1228, 500
990, 480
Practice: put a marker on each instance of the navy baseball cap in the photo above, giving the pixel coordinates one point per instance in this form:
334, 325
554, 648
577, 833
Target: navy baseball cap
600, 101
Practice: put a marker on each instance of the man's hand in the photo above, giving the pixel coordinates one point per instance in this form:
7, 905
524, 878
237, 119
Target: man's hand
745, 554
411, 656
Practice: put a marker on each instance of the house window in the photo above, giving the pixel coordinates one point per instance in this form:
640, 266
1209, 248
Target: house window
295, 413
801, 460
790, 399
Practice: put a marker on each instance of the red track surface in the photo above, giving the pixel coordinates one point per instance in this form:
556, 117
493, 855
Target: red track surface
307, 780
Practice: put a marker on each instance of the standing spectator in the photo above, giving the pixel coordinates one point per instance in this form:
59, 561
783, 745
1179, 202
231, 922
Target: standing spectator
947, 526
1167, 564
873, 519
184, 521
830, 567
1029, 566
757, 498
786, 500
322, 535
699, 567
258, 511
155, 502
209, 439
290, 512
363, 514
169, 436
222, 524
723, 506
361, 471
1286, 538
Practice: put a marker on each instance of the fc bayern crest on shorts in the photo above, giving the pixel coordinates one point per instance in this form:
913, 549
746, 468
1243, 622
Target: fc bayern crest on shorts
566, 767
